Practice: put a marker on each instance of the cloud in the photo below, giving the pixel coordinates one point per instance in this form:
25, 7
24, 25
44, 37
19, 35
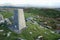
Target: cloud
33, 3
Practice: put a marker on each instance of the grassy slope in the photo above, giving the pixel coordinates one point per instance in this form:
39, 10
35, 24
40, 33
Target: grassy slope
44, 12
6, 30
52, 14
37, 30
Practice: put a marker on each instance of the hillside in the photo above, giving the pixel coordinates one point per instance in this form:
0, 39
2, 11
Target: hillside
39, 22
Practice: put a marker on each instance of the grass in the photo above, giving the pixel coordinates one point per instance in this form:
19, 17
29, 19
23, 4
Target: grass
52, 13
36, 30
6, 30
6, 14
27, 15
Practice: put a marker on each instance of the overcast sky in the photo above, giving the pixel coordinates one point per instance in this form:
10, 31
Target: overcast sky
33, 3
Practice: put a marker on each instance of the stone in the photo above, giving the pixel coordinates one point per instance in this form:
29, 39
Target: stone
40, 36
8, 34
58, 39
58, 25
52, 31
21, 39
30, 32
37, 16
2, 21
8, 21
49, 27
41, 26
1, 30
35, 22
1, 17
37, 39
45, 22
31, 18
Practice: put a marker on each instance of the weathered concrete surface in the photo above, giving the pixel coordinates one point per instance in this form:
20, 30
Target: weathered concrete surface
21, 19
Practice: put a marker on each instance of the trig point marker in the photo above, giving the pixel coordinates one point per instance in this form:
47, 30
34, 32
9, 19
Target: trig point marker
19, 20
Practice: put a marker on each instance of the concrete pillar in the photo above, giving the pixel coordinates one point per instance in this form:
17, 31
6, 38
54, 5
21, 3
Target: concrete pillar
21, 19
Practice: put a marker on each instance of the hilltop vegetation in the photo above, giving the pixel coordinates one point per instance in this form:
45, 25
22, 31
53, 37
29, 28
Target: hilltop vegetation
48, 15
6, 13
37, 30
53, 13
34, 30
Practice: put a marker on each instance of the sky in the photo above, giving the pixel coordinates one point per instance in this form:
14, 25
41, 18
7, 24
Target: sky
32, 3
